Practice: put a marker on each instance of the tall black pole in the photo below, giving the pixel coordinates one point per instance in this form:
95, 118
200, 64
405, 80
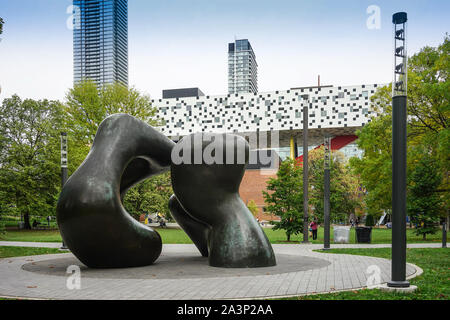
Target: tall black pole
305, 172
399, 117
64, 174
326, 193
444, 233
444, 228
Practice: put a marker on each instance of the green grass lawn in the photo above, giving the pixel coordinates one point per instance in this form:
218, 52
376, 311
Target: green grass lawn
171, 236
31, 235
433, 284
7, 252
379, 235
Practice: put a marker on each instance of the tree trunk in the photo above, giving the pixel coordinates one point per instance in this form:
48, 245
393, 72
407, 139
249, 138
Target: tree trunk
289, 238
424, 236
26, 219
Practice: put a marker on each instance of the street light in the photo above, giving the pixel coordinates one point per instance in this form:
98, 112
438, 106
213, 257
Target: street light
305, 169
64, 163
326, 192
399, 114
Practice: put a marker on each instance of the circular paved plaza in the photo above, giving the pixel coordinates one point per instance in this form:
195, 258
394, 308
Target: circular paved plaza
180, 273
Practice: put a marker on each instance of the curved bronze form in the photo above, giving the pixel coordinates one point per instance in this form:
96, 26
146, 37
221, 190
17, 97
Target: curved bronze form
208, 205
92, 220
195, 229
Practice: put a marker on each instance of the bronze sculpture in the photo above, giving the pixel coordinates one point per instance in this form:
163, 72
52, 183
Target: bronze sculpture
101, 234
209, 193
92, 220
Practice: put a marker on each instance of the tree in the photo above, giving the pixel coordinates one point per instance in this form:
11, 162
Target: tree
344, 186
424, 203
374, 168
2, 22
87, 106
285, 198
150, 196
428, 125
251, 205
29, 155
429, 105
429, 90
370, 221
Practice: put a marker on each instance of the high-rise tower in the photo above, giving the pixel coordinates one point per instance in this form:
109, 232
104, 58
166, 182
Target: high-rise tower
242, 68
100, 41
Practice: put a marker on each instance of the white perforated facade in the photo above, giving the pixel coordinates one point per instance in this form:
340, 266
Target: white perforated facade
332, 110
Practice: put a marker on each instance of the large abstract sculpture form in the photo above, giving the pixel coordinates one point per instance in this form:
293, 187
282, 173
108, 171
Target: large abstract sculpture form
92, 220
207, 170
101, 234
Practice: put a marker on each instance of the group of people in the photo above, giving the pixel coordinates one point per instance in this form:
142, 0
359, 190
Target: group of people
159, 219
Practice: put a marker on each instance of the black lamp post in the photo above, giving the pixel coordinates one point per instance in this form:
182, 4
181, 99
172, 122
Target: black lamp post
444, 233
399, 114
305, 169
326, 192
63, 166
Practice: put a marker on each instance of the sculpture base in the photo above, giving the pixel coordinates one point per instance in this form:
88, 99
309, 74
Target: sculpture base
387, 288
398, 284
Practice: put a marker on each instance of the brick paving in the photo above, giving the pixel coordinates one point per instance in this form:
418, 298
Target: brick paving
317, 272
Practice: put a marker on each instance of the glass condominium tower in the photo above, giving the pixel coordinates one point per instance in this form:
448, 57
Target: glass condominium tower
242, 68
100, 41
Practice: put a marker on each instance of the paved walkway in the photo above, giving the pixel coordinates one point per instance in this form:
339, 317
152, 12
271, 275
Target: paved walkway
181, 274
30, 244
307, 246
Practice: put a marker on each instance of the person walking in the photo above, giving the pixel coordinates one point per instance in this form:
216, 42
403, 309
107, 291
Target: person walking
313, 226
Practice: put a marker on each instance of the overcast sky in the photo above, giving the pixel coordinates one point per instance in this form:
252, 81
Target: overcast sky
183, 43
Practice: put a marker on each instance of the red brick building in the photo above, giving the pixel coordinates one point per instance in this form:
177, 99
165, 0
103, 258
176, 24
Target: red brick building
255, 180
252, 186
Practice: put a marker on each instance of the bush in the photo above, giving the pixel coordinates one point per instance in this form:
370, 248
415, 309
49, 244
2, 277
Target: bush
370, 222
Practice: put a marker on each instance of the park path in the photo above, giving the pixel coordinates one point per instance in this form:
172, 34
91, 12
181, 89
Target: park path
304, 246
299, 271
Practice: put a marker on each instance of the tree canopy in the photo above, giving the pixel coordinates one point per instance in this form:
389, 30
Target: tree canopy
29, 155
344, 187
285, 198
428, 131
30, 147
86, 106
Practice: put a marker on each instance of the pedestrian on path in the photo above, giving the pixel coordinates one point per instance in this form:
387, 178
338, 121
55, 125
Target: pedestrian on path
313, 227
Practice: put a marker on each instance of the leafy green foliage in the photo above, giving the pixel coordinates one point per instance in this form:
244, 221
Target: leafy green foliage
150, 196
30, 147
370, 222
251, 205
375, 167
29, 156
87, 106
424, 203
428, 125
344, 187
285, 198
429, 90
